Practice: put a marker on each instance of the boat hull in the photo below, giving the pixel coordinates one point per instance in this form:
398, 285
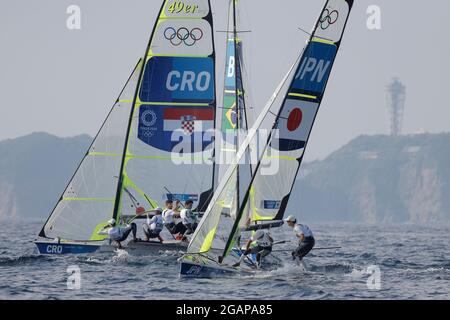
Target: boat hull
53, 248
151, 247
194, 270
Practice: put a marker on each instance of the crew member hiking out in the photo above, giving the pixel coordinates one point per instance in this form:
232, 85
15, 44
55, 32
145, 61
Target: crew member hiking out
304, 235
260, 244
188, 217
153, 227
170, 214
117, 233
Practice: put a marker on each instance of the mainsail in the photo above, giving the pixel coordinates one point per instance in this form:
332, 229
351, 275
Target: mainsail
173, 113
159, 122
88, 200
234, 120
269, 193
293, 121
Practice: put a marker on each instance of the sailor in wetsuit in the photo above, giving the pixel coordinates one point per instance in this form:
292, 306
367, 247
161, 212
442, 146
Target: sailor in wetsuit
260, 244
117, 233
304, 235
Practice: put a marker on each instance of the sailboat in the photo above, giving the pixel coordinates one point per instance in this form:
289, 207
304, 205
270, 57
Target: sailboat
153, 145
210, 250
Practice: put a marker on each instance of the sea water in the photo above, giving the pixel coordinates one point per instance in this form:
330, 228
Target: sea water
375, 262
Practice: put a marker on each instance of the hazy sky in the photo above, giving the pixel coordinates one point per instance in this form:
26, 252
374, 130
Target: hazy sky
64, 82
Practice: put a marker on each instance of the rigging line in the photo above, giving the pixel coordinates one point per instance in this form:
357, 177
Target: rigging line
273, 113
308, 33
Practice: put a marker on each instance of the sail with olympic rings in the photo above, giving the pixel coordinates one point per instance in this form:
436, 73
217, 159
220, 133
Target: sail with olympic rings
170, 142
292, 120
270, 193
159, 123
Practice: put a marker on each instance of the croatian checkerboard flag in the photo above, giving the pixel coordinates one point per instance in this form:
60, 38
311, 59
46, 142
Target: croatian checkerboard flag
188, 119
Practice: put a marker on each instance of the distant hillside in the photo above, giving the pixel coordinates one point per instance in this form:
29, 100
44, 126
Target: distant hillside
34, 170
379, 179
372, 179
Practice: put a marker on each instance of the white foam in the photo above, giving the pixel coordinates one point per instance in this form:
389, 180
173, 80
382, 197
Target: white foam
121, 256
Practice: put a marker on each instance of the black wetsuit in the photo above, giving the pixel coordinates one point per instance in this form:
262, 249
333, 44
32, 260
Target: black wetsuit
175, 228
133, 228
304, 247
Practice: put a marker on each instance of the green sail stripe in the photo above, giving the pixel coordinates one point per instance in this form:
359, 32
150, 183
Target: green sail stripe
89, 199
103, 154
131, 156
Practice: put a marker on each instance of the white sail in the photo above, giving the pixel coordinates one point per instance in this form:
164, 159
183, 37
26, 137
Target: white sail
293, 120
88, 201
206, 232
270, 192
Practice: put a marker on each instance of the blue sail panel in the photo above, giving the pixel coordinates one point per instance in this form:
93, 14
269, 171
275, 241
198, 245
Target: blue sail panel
178, 79
315, 68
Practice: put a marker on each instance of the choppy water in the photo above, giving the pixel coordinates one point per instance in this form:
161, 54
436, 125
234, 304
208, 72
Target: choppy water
414, 263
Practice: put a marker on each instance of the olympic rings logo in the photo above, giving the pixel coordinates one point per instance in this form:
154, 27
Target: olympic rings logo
328, 18
183, 35
149, 118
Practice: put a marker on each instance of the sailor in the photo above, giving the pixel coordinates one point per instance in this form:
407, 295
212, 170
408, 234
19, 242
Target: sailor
304, 235
188, 217
260, 244
117, 233
169, 215
153, 227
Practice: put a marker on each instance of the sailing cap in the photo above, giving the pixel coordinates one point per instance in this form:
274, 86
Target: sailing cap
112, 221
291, 219
158, 209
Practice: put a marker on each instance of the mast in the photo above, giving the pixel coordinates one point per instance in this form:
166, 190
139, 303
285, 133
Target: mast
130, 121
238, 113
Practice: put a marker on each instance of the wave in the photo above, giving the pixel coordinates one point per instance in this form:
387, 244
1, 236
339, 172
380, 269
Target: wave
25, 259
332, 268
431, 270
